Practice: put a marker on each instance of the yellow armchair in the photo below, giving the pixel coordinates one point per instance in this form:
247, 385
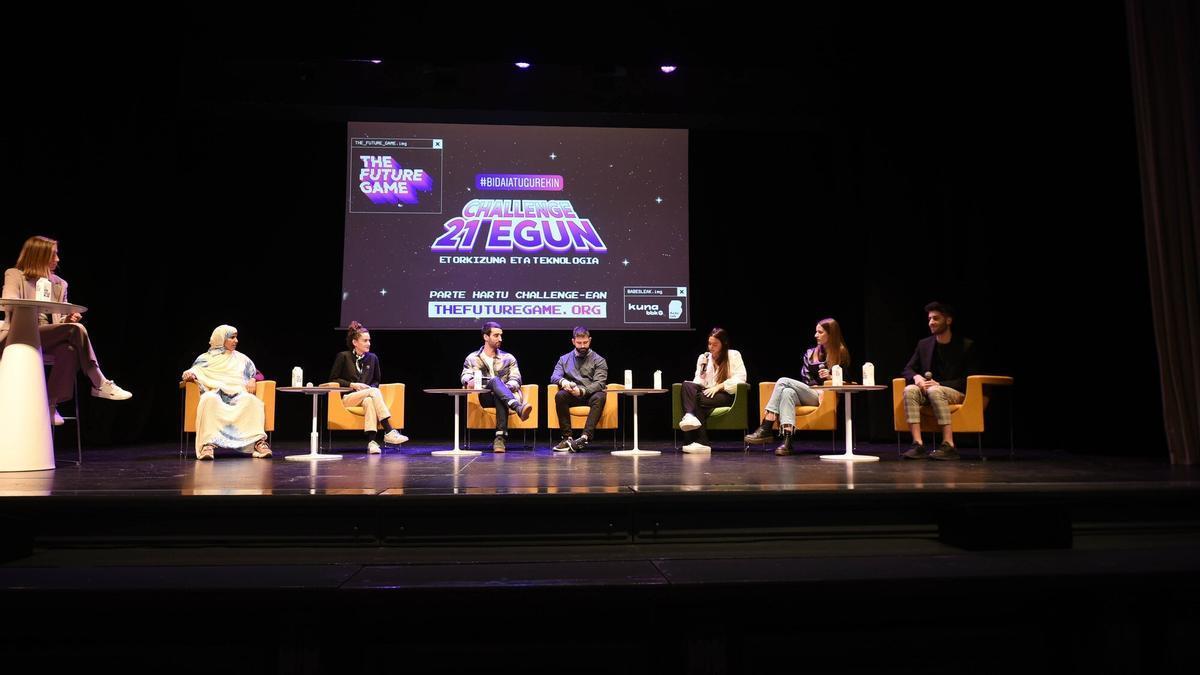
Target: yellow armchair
340, 417
190, 391
579, 413
479, 417
821, 417
966, 417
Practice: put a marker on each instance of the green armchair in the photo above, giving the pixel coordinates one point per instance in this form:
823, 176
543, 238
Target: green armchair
728, 418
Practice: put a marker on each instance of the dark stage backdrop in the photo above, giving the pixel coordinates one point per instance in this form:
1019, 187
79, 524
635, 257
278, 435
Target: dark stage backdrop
884, 171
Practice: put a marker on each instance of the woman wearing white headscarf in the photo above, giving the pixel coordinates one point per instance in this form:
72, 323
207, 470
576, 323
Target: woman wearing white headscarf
229, 414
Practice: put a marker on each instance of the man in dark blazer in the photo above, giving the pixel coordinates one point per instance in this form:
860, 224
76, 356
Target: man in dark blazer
582, 377
936, 376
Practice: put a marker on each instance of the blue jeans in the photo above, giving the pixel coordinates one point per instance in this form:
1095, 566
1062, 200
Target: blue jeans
497, 394
788, 394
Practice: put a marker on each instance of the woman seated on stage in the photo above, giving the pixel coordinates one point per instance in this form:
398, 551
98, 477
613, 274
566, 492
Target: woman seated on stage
718, 373
830, 351
62, 335
229, 414
358, 368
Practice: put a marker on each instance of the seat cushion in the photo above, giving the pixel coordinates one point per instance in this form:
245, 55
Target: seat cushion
356, 410
580, 410
723, 410
802, 410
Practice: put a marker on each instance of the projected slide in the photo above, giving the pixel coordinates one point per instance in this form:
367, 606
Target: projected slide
448, 226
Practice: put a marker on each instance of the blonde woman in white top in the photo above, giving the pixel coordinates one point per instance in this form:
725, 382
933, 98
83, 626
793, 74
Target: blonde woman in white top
718, 373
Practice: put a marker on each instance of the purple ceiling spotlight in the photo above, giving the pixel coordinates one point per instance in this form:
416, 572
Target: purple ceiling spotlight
523, 65
667, 69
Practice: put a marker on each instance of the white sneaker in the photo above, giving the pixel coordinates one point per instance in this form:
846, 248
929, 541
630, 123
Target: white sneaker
55, 418
394, 437
111, 391
689, 423
373, 448
696, 448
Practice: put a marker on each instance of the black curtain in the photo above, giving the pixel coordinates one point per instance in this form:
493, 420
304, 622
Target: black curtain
1164, 56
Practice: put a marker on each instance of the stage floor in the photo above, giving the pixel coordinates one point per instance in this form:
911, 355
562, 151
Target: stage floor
157, 470
533, 557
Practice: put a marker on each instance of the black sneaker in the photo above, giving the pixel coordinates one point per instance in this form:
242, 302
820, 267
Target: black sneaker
917, 451
564, 445
944, 451
579, 444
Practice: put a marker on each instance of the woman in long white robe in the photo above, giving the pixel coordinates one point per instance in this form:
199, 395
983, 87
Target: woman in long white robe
229, 414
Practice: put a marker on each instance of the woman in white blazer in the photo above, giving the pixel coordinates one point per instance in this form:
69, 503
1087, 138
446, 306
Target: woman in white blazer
718, 373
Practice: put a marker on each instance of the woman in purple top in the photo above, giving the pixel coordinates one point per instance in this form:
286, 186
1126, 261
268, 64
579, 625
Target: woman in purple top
817, 363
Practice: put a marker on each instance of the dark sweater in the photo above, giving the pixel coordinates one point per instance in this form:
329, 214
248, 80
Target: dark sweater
344, 371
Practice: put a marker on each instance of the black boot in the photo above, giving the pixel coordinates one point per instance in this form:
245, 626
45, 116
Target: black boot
765, 433
785, 448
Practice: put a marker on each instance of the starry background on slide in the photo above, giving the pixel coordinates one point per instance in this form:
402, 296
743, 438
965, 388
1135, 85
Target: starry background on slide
631, 184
